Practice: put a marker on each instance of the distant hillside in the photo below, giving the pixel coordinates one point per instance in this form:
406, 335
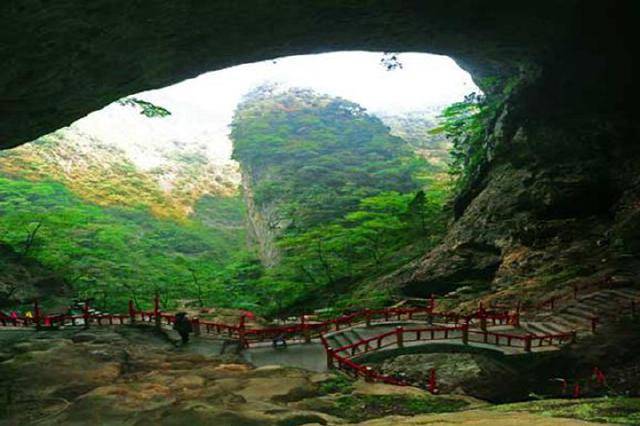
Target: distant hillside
332, 197
120, 222
324, 197
415, 128
168, 181
308, 159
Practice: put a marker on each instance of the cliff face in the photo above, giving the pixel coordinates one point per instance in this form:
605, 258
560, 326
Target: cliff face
415, 128
264, 223
557, 202
308, 160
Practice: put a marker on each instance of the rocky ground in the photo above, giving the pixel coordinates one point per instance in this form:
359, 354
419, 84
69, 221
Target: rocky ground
135, 376
460, 373
502, 379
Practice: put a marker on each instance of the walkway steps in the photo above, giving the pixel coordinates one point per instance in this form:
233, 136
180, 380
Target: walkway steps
625, 292
582, 311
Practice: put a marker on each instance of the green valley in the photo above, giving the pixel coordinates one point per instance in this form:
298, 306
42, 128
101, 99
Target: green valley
324, 200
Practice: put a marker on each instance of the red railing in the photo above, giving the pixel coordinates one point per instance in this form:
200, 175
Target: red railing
525, 341
304, 330
63, 319
341, 357
402, 335
572, 294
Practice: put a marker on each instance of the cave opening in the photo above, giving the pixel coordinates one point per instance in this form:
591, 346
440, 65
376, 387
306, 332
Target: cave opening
537, 262
222, 190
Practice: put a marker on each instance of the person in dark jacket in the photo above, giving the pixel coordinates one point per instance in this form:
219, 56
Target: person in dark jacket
279, 341
183, 326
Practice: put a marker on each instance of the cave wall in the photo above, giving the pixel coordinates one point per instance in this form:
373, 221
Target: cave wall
558, 202
62, 60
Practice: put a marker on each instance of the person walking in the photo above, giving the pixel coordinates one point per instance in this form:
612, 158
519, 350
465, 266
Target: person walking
183, 326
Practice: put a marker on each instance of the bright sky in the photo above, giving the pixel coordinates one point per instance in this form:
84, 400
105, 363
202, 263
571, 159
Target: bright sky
202, 107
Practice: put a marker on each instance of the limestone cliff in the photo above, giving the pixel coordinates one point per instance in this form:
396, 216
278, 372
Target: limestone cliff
264, 223
557, 202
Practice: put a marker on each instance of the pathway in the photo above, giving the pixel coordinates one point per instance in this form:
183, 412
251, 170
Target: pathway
339, 341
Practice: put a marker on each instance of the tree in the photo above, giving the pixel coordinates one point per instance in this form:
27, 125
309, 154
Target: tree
32, 230
417, 212
146, 108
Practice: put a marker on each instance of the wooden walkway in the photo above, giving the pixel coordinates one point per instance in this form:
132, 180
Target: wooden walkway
349, 336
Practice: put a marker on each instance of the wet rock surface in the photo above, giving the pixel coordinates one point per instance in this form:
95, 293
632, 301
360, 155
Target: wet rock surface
475, 375
133, 376
136, 376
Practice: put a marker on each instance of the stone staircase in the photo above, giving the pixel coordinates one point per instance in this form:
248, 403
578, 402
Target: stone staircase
345, 337
352, 335
578, 314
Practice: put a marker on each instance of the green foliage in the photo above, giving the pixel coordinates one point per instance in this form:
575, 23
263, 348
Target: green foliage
146, 108
113, 254
358, 408
350, 202
466, 125
610, 410
337, 384
348, 193
317, 156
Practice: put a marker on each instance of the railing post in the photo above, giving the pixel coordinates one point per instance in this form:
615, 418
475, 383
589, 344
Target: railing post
36, 313
483, 322
433, 386
132, 312
85, 314
156, 310
367, 316
329, 357
367, 375
465, 334
196, 326
527, 343
400, 336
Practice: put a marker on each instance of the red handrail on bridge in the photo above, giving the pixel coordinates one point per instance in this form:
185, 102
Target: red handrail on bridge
340, 356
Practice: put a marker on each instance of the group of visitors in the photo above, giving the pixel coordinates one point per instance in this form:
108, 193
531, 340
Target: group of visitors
15, 315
